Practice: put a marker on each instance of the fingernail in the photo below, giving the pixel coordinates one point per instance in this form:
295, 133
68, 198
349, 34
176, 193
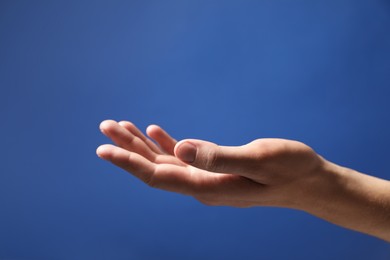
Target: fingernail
186, 152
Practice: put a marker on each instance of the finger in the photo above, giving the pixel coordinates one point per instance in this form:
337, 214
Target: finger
211, 157
131, 162
123, 138
162, 176
203, 185
135, 131
165, 141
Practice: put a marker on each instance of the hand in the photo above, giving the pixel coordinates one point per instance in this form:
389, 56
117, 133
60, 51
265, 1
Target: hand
272, 172
265, 172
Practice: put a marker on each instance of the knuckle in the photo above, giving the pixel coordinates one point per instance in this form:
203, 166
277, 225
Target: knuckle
212, 161
263, 149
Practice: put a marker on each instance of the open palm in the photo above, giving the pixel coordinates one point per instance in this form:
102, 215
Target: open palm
264, 172
158, 167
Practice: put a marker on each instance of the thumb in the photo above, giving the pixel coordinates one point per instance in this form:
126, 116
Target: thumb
211, 157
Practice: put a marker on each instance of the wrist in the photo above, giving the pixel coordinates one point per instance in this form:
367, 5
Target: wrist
322, 188
351, 199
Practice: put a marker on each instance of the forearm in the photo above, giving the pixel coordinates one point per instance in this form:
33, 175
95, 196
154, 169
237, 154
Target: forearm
354, 200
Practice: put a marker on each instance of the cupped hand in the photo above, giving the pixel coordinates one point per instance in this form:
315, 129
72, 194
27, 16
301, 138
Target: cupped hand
267, 172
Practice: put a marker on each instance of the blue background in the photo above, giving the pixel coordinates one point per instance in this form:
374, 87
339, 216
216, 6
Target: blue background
225, 71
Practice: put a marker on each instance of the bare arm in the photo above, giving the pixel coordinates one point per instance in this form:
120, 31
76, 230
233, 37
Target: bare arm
360, 202
265, 172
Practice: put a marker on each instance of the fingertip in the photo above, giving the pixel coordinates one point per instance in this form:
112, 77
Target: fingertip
103, 151
180, 143
153, 126
175, 149
106, 125
152, 129
126, 124
100, 151
185, 151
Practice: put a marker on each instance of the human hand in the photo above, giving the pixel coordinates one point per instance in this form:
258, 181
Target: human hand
265, 172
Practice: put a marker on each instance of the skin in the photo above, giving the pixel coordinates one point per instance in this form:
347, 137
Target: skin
265, 172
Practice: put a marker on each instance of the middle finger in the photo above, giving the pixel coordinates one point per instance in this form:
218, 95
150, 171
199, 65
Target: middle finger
125, 139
